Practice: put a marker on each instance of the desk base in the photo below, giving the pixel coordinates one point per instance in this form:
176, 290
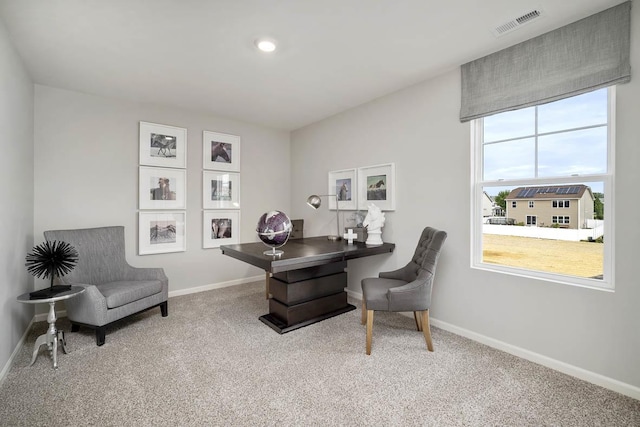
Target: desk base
281, 327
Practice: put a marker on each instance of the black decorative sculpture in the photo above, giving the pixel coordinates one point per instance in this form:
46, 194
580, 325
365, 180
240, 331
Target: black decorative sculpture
48, 260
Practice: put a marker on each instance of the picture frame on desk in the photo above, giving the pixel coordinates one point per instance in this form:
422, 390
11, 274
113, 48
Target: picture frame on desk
163, 145
162, 188
220, 151
377, 184
161, 232
220, 227
220, 190
343, 183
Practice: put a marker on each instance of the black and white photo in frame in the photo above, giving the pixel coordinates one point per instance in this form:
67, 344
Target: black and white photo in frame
161, 232
220, 151
220, 190
163, 145
220, 227
162, 188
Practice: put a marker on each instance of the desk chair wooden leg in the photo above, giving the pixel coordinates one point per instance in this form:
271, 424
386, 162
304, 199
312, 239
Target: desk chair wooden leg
266, 289
417, 319
369, 329
364, 312
426, 329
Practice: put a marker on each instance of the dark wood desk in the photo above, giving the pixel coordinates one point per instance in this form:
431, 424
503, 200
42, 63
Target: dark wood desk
307, 282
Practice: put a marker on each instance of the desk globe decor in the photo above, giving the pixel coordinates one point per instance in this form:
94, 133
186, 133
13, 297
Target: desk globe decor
48, 260
274, 229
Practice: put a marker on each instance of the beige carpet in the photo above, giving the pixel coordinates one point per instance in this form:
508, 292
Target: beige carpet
212, 362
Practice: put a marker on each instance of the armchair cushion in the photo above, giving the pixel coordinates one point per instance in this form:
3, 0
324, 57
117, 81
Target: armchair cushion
124, 292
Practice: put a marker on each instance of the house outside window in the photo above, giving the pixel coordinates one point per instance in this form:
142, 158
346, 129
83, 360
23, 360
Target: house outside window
561, 203
553, 156
560, 220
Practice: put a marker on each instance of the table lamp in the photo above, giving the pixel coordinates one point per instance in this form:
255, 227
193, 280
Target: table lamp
315, 201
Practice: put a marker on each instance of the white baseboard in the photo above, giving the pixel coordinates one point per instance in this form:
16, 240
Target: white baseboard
9, 364
215, 286
565, 368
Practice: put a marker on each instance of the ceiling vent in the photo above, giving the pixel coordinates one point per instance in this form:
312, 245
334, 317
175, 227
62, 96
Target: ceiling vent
516, 23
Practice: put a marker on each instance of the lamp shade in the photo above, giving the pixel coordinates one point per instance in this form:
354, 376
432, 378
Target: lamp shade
314, 201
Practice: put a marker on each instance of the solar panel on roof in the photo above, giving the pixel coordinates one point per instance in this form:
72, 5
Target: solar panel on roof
562, 190
573, 190
521, 192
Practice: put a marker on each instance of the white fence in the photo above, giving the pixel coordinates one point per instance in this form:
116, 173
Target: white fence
596, 231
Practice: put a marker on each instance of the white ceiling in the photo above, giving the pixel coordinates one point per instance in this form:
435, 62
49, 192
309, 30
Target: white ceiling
199, 54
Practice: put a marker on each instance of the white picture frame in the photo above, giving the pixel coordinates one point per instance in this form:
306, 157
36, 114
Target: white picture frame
162, 188
343, 183
220, 190
163, 145
220, 227
161, 232
220, 151
377, 184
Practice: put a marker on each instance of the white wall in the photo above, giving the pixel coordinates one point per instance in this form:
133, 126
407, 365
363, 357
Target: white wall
418, 129
16, 207
86, 175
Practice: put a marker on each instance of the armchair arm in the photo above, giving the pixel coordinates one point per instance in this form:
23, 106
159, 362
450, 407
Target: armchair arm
413, 296
89, 307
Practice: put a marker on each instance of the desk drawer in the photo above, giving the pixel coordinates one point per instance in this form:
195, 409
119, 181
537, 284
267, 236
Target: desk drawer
298, 292
292, 314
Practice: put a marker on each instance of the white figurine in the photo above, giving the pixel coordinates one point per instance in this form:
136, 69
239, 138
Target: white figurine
374, 221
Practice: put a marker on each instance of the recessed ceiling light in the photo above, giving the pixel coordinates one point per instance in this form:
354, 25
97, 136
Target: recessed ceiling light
266, 45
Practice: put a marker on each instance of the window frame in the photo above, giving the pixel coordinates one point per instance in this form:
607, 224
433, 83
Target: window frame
478, 186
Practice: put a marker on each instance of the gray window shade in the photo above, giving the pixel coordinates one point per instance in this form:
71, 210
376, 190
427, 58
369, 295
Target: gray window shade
578, 58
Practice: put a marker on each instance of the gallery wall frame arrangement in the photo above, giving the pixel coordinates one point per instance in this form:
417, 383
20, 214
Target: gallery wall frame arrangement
377, 184
220, 227
220, 151
163, 145
343, 183
161, 232
220, 190
162, 188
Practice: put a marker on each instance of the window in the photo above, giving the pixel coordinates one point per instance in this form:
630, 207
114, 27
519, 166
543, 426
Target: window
563, 148
560, 219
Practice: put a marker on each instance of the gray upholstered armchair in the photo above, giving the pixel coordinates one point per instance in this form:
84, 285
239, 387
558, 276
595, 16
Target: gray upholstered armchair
405, 289
114, 289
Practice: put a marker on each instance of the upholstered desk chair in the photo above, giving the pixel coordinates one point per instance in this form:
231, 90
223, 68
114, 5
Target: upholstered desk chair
114, 289
405, 289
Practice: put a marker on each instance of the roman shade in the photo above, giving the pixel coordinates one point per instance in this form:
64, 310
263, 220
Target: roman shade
583, 56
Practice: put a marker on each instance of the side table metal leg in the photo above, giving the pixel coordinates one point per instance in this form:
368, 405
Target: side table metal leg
40, 341
52, 334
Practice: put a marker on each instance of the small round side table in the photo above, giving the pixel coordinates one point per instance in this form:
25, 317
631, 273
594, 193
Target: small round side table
53, 335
